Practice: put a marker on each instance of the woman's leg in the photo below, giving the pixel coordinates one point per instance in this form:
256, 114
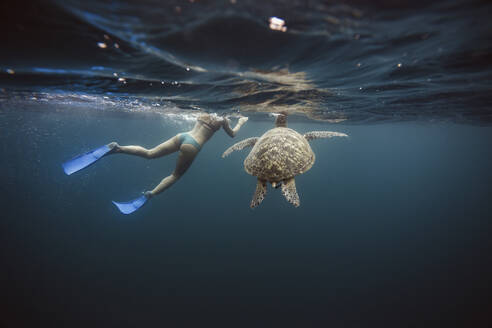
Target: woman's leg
186, 156
165, 148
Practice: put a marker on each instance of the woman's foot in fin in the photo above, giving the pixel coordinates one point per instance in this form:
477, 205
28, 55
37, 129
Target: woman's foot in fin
114, 147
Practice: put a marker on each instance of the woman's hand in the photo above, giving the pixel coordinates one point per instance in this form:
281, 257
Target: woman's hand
232, 132
242, 120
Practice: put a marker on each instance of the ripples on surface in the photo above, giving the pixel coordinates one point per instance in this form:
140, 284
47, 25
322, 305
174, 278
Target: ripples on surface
333, 62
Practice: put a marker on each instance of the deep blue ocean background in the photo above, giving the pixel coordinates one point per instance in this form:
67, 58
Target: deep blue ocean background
394, 227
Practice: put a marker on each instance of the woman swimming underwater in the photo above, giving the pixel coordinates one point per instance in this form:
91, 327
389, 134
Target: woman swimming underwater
187, 143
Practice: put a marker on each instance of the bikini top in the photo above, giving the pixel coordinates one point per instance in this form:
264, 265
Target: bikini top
210, 122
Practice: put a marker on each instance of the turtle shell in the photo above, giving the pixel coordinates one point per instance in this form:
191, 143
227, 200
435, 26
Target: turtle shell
279, 154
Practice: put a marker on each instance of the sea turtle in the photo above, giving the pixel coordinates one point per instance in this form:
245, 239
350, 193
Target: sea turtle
278, 156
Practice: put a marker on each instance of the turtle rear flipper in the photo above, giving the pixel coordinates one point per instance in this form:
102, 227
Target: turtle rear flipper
323, 134
290, 193
261, 189
250, 142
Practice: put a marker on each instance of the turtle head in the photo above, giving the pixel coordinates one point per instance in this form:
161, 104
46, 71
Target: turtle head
276, 184
281, 120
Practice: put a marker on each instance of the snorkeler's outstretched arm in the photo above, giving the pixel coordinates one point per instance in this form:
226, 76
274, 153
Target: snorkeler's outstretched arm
232, 132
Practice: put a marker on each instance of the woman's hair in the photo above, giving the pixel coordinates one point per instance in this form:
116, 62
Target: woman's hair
210, 117
212, 121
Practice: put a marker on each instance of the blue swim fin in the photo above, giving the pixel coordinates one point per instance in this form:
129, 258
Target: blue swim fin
131, 206
84, 160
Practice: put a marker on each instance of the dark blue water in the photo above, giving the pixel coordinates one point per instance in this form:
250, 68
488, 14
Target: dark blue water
394, 224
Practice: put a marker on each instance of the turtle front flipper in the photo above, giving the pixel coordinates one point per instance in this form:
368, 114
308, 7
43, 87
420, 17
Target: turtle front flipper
290, 193
250, 142
323, 134
261, 189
